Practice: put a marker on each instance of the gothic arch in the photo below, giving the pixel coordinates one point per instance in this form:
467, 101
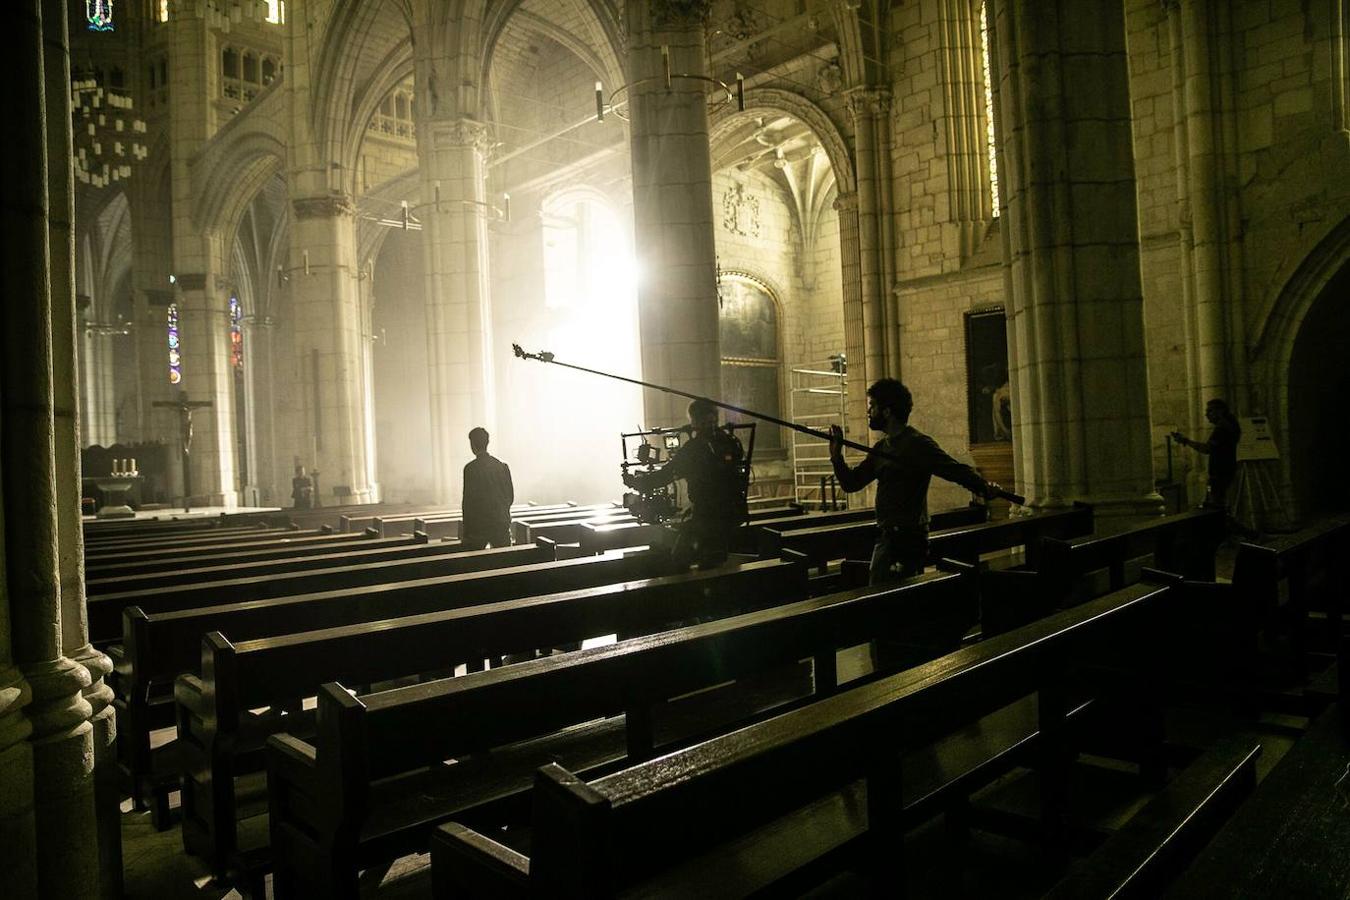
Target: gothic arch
759, 100
232, 170
349, 28
608, 62
1282, 316
392, 70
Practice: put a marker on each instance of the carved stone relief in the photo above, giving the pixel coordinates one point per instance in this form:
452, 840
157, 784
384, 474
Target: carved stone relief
740, 211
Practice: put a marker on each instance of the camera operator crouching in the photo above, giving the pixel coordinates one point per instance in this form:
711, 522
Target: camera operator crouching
711, 464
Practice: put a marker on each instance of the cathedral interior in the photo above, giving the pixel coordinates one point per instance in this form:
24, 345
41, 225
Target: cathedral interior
267, 262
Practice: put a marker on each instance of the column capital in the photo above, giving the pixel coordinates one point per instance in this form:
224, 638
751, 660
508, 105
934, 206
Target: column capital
673, 14
846, 201
191, 281
463, 133
864, 100
327, 206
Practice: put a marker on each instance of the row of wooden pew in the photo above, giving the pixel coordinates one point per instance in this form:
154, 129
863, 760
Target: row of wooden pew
718, 717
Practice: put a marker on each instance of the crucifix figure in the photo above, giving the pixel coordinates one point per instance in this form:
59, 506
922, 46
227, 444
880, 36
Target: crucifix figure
185, 408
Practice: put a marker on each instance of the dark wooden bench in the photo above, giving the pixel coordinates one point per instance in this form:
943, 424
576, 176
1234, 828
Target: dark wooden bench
1296, 585
402, 549
448, 526
1160, 839
105, 610
849, 540
159, 647
244, 557
1183, 543
1292, 838
173, 552
799, 518
337, 804
218, 536
568, 531
746, 811
597, 538
219, 738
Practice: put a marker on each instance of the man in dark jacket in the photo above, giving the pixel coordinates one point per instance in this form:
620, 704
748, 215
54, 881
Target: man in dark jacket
1221, 448
902, 463
488, 495
710, 463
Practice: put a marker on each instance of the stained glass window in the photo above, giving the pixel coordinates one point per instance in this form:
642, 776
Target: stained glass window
236, 334
163, 11
175, 360
99, 14
988, 108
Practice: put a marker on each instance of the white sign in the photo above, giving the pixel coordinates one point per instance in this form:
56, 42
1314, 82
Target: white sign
1256, 441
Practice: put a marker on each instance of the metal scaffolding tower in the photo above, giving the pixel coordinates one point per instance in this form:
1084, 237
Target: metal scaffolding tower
817, 399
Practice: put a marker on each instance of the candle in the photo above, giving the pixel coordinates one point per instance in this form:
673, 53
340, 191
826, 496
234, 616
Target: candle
740, 92
599, 102
506, 207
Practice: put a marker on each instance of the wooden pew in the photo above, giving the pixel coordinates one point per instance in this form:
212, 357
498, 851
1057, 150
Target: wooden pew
361, 518
105, 610
1292, 838
158, 647
220, 739
850, 540
215, 536
742, 812
180, 553
597, 538
568, 531
1185, 543
324, 794
401, 549
799, 518
447, 524
1158, 840
244, 557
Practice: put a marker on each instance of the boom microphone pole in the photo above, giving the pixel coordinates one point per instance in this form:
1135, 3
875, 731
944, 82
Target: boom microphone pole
545, 356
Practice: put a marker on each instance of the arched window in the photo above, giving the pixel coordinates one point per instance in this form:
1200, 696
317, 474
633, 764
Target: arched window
175, 357
989, 140
748, 332
99, 14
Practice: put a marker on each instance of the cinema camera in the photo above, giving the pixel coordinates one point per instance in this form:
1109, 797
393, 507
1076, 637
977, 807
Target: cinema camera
647, 451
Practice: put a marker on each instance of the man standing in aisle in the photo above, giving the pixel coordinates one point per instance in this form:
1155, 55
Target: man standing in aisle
488, 495
902, 463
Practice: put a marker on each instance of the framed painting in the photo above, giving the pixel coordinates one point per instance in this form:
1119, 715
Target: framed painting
988, 398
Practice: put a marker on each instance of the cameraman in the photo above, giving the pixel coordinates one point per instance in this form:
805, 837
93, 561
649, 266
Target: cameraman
710, 464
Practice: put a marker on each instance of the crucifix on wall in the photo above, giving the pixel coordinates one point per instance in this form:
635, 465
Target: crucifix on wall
185, 408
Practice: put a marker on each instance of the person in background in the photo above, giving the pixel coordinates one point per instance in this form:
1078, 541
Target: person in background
302, 490
710, 463
488, 495
1221, 448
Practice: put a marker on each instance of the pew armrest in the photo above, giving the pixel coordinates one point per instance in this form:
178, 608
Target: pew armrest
292, 759
465, 863
190, 693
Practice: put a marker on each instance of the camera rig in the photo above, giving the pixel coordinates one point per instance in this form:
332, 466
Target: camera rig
649, 450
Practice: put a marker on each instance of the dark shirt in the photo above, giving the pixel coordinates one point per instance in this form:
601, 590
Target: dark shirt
711, 467
1223, 441
902, 484
488, 495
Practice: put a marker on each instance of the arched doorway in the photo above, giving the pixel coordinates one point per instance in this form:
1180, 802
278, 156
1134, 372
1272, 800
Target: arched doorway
1319, 382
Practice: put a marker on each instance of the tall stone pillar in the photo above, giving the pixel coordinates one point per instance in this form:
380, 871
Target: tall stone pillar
855, 331
1076, 329
204, 347
69, 531
325, 304
869, 108
453, 156
61, 738
672, 204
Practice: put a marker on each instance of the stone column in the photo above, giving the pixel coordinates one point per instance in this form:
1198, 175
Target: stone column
69, 530
959, 57
204, 336
326, 315
855, 332
453, 156
1076, 331
879, 326
61, 738
672, 205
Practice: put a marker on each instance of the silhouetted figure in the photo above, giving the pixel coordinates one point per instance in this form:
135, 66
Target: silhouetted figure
902, 483
302, 490
1221, 448
710, 463
488, 495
